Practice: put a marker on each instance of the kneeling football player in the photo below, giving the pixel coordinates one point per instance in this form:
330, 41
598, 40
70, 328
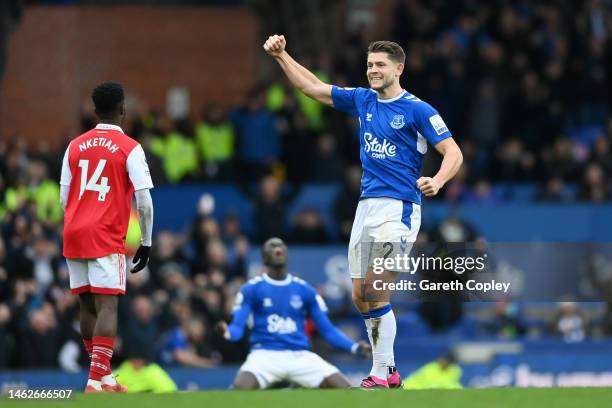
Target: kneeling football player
280, 351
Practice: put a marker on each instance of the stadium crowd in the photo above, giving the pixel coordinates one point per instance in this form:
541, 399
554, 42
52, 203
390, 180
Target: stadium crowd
521, 84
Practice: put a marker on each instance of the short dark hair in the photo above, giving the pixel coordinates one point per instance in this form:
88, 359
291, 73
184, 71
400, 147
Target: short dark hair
393, 50
107, 97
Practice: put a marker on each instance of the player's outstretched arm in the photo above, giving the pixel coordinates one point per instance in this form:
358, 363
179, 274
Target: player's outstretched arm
300, 77
242, 310
318, 312
450, 166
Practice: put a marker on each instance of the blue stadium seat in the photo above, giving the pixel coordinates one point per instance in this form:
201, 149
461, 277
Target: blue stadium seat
412, 325
175, 206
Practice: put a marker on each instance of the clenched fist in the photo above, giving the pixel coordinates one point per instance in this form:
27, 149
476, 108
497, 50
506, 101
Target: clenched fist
221, 329
428, 186
275, 45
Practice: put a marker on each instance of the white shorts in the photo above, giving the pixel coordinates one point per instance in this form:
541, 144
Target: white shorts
104, 275
383, 228
303, 368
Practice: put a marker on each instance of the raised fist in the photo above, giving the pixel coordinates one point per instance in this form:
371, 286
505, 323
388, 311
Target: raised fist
275, 45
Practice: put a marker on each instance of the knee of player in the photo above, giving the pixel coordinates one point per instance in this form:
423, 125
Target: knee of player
377, 305
358, 296
245, 381
107, 303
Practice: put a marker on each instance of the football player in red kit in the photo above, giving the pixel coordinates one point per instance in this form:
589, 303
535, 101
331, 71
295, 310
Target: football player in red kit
102, 169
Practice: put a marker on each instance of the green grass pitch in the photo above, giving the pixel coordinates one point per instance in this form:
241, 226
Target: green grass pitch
472, 398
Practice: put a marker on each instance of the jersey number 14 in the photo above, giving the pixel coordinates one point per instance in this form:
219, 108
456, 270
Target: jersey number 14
95, 183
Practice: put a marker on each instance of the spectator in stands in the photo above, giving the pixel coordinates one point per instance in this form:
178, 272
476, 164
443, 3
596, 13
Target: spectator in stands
175, 281
559, 160
139, 374
232, 228
570, 323
205, 226
594, 184
270, 210
485, 116
187, 345
308, 227
215, 138
453, 230
156, 165
7, 342
167, 249
141, 328
327, 164
506, 322
280, 96
258, 138
443, 373
4, 277
345, 203
553, 191
219, 259
43, 253
138, 284
602, 154
482, 193
15, 167
514, 162
210, 302
44, 193
215, 257
177, 150
205, 231
39, 342
210, 249
298, 142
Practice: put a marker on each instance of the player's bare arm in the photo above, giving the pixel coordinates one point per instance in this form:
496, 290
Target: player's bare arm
450, 166
300, 77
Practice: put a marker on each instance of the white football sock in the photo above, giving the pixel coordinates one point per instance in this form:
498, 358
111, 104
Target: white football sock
368, 325
383, 337
109, 379
94, 383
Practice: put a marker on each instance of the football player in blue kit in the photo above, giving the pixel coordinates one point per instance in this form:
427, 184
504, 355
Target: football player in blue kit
279, 304
395, 130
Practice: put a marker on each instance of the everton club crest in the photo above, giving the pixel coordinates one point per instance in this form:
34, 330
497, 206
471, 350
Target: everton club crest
398, 122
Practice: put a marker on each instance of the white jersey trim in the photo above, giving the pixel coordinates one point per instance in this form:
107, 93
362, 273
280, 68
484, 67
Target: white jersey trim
276, 282
138, 169
392, 99
66, 176
106, 126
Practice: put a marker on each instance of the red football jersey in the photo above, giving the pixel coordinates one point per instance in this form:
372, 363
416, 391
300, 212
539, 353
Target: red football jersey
102, 168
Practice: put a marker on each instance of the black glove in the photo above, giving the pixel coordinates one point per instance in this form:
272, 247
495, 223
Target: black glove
141, 258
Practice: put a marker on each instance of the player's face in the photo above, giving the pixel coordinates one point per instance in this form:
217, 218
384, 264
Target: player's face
276, 254
382, 72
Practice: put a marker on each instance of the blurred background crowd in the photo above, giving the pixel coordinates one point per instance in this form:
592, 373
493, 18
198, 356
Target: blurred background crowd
523, 86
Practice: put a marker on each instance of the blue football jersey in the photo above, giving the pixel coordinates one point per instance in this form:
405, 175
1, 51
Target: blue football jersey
279, 310
393, 136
